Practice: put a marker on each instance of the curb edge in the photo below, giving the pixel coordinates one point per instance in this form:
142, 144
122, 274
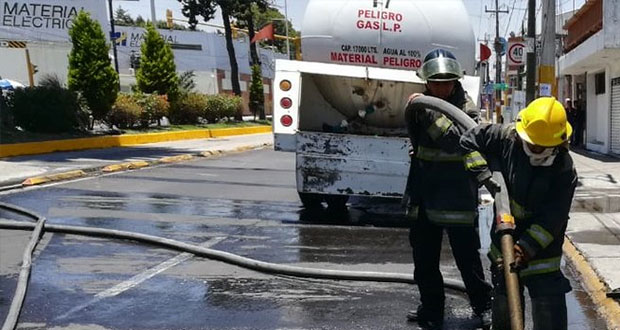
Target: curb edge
608, 308
126, 166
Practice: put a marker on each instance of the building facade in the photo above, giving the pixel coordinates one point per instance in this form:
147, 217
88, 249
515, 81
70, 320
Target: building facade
591, 69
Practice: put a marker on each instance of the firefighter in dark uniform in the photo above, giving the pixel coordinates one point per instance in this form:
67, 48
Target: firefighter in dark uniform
541, 179
442, 195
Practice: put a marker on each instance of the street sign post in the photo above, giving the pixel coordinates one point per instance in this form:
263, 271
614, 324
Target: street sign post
516, 50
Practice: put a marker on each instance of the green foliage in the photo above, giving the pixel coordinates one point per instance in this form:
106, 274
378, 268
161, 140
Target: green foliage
122, 17
126, 111
188, 109
257, 93
48, 109
222, 106
90, 71
186, 82
264, 17
153, 107
6, 111
157, 72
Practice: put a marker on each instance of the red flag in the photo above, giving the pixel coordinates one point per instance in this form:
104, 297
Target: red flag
264, 33
485, 52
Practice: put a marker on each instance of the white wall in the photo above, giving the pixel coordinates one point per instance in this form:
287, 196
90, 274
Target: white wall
50, 58
598, 115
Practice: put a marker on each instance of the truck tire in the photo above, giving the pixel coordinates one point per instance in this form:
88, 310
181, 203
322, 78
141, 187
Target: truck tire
337, 202
310, 200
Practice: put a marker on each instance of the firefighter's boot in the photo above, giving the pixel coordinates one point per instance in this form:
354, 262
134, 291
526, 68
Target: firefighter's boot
549, 312
426, 319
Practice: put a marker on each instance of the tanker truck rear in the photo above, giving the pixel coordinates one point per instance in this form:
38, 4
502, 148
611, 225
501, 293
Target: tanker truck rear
341, 109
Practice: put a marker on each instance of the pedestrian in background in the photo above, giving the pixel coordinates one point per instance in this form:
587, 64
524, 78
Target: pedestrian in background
442, 195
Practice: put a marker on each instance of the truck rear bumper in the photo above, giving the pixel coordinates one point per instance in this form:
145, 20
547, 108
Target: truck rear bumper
342, 164
284, 142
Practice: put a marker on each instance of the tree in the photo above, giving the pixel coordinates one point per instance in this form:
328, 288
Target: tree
90, 70
257, 93
206, 9
140, 21
244, 12
269, 15
157, 71
122, 17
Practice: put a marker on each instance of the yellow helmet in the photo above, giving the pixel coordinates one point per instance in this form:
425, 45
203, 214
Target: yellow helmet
543, 123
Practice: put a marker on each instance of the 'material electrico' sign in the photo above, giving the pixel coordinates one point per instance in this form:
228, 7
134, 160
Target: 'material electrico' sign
46, 20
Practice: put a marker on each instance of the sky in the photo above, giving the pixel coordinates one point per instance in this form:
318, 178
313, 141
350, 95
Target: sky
483, 23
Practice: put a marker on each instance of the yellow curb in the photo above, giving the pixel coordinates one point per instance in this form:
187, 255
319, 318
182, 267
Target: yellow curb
125, 166
210, 153
219, 132
606, 307
32, 148
176, 159
53, 177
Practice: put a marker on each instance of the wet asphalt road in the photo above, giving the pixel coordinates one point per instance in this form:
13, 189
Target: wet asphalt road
242, 203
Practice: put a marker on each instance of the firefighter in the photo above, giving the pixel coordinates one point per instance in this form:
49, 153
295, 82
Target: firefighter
541, 179
442, 195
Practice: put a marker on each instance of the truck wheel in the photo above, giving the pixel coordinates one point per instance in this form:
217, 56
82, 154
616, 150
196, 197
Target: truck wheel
337, 202
310, 200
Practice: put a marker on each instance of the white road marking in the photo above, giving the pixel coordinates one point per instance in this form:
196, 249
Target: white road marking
138, 279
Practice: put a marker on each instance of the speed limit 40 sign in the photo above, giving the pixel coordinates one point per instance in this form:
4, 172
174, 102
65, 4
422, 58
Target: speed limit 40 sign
515, 53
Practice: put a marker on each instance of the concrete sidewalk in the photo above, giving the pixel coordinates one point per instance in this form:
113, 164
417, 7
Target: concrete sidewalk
14, 170
593, 233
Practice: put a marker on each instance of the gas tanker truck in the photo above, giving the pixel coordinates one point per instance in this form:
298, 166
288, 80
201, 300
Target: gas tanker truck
341, 109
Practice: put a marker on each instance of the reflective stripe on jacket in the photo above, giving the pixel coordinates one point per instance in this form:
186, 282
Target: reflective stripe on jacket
440, 182
540, 197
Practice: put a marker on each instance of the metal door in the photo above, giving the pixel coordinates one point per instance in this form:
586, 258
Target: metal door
615, 116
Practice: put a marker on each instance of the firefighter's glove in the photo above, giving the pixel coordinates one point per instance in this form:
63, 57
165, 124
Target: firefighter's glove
521, 259
492, 186
499, 263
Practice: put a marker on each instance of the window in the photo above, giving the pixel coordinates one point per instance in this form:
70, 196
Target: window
599, 83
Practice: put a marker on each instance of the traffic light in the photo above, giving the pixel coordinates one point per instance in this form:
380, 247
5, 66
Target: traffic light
169, 18
34, 69
234, 31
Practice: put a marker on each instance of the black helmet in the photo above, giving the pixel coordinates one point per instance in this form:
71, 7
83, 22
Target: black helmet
440, 65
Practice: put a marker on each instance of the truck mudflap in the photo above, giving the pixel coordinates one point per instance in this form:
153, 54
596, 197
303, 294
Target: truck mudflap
341, 164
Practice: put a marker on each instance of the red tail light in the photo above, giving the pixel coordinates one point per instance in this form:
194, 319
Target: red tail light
286, 120
286, 102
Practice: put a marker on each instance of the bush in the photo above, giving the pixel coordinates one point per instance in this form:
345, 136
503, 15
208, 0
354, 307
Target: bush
257, 93
154, 107
125, 112
188, 109
157, 71
6, 113
90, 70
48, 109
221, 106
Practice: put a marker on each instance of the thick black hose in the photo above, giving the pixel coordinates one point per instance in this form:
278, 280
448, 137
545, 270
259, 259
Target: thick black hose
457, 115
266, 267
24, 274
228, 257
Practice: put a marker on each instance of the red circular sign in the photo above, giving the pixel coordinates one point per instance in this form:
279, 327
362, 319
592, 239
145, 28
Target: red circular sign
515, 53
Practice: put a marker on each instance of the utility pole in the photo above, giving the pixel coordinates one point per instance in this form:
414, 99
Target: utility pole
530, 83
546, 75
498, 60
153, 16
113, 36
288, 45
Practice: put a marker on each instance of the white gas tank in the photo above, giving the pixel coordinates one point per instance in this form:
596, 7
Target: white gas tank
394, 34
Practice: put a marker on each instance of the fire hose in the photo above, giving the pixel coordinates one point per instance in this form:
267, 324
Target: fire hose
41, 226
459, 117
505, 223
